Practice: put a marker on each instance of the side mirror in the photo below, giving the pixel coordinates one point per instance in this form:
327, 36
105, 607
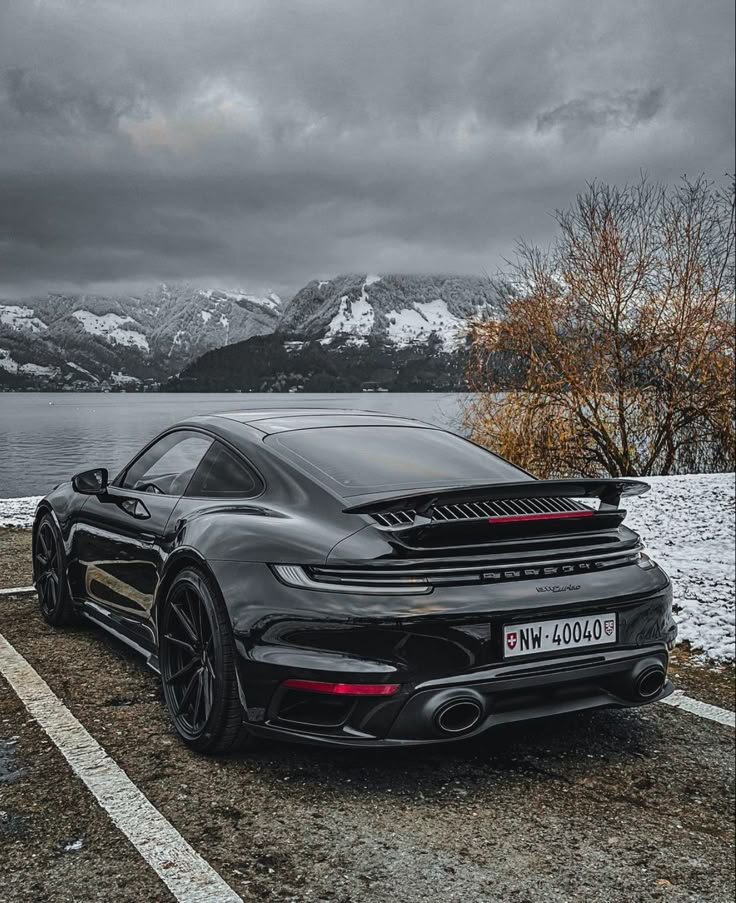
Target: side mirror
90, 482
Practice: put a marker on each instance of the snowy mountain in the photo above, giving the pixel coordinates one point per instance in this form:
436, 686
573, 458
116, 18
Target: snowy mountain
93, 341
85, 340
352, 333
401, 310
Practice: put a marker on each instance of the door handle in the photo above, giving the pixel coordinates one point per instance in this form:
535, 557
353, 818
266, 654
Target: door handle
135, 508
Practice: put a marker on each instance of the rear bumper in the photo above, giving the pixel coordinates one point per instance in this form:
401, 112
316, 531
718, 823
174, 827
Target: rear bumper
503, 695
442, 647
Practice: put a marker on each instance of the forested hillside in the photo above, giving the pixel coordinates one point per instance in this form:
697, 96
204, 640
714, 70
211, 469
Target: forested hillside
279, 363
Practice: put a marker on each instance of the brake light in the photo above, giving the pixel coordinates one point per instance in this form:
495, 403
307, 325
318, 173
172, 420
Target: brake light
551, 515
318, 686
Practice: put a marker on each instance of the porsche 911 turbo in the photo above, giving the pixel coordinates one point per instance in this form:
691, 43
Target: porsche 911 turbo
356, 579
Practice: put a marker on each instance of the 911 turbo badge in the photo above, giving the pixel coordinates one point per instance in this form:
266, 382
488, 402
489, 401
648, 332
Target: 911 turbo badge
356, 579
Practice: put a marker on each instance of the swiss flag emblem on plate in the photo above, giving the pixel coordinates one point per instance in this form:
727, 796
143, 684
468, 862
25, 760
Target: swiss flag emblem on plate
608, 627
511, 640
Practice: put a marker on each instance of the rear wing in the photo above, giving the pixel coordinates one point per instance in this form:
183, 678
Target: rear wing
609, 491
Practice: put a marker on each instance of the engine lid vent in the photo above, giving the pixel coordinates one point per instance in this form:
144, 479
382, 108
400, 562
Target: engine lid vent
492, 510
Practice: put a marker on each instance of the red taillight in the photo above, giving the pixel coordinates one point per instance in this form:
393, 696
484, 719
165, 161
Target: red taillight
552, 515
318, 686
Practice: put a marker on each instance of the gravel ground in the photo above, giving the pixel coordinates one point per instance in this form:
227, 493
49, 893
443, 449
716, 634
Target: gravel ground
15, 558
611, 806
608, 806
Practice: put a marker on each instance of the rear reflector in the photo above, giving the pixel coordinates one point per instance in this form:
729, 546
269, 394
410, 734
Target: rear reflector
552, 515
318, 686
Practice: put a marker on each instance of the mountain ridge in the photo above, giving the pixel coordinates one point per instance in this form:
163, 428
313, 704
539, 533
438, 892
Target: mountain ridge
87, 341
97, 341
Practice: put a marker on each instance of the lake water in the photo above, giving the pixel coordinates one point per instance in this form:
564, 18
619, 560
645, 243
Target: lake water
45, 437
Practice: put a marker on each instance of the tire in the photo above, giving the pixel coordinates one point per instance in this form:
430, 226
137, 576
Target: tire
197, 660
49, 574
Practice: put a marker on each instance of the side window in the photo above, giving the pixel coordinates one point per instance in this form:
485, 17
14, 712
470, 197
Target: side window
222, 474
169, 464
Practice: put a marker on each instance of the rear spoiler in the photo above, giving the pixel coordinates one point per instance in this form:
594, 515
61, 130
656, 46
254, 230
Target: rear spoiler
609, 491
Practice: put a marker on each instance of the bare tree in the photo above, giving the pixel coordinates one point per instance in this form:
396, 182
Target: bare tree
615, 349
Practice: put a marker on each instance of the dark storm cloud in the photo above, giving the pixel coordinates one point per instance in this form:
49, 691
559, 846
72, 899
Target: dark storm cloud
75, 106
607, 110
266, 143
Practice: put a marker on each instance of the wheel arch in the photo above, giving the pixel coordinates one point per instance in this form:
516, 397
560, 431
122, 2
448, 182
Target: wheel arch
178, 561
44, 507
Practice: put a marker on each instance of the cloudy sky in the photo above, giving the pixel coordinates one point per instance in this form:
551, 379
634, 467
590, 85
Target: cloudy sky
263, 144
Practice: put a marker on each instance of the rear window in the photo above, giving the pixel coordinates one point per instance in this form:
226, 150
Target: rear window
366, 459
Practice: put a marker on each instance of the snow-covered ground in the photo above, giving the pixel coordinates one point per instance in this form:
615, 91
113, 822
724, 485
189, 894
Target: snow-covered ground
18, 512
687, 523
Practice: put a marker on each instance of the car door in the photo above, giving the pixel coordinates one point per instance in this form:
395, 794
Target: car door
121, 539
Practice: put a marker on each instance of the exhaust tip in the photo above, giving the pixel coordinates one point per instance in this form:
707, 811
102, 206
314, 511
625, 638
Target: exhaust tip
650, 683
458, 716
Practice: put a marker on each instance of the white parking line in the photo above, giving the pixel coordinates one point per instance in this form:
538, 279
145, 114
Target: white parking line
703, 709
187, 875
17, 591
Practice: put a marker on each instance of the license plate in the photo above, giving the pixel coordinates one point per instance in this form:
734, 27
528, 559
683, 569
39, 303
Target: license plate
553, 636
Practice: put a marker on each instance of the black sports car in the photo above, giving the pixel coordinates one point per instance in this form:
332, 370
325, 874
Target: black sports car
356, 579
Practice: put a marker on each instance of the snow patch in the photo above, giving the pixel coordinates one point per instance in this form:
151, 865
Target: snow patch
271, 301
81, 370
10, 365
6, 361
18, 512
113, 328
354, 319
20, 318
177, 340
37, 370
122, 379
416, 324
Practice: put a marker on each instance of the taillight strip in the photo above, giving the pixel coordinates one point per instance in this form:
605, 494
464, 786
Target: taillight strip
430, 571
318, 686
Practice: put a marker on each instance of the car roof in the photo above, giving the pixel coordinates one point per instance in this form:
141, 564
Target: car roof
277, 420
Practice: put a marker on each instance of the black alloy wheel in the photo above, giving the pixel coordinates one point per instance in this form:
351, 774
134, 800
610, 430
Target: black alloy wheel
50, 574
197, 658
